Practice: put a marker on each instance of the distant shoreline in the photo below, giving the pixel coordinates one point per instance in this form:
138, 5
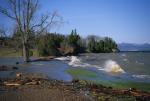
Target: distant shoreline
135, 51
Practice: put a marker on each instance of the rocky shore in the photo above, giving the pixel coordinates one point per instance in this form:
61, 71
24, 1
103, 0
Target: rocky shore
37, 87
8, 68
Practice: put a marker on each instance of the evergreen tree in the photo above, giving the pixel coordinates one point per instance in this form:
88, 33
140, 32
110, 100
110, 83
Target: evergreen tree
102, 45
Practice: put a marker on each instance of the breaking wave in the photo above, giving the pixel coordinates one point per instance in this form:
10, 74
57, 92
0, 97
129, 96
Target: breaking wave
110, 65
141, 76
124, 55
139, 62
63, 58
75, 62
125, 60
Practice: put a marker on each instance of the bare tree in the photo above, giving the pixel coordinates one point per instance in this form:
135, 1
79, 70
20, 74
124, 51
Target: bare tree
2, 35
23, 12
2, 31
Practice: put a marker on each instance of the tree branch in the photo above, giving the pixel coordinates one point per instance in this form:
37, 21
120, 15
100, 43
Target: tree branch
6, 13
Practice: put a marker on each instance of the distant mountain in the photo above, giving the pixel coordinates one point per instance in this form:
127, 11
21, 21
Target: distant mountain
134, 47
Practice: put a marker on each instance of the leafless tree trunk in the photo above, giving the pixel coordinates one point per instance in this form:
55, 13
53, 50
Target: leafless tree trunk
2, 31
23, 13
2, 35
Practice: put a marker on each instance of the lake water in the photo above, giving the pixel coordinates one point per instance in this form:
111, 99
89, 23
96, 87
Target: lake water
130, 69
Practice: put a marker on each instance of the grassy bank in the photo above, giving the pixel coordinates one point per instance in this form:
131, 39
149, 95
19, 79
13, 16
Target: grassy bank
80, 73
76, 72
11, 52
76, 90
140, 86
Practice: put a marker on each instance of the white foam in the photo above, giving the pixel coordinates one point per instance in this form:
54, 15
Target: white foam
75, 62
124, 55
113, 67
139, 62
125, 60
110, 65
141, 76
63, 58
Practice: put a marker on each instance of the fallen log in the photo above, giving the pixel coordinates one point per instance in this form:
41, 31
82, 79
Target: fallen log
49, 58
33, 83
11, 84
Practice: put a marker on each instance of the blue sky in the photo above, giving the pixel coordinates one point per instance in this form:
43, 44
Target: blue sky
123, 20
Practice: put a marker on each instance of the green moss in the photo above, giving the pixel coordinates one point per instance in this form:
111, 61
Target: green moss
75, 72
141, 86
125, 85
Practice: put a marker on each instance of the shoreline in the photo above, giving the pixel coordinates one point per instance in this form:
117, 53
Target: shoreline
39, 83
96, 91
36, 87
30, 82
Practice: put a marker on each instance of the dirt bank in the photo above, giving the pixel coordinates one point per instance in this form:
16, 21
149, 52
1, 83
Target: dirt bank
37, 87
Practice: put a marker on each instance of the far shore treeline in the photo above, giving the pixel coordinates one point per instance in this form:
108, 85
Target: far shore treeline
55, 44
30, 33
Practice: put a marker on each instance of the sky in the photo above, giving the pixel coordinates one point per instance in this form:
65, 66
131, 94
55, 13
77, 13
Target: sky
126, 21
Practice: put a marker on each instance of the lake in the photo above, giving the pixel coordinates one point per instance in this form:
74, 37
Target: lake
120, 70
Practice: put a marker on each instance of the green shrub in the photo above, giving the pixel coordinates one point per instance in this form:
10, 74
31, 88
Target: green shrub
30, 53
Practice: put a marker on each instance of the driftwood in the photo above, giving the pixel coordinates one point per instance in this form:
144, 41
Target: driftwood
79, 85
17, 83
11, 84
33, 83
22, 80
18, 74
44, 58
